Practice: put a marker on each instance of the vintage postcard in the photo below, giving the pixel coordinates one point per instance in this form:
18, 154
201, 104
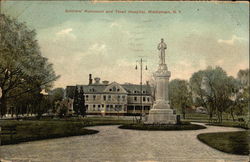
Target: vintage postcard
129, 81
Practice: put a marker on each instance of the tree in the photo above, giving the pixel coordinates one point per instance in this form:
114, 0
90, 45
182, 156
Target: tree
213, 89
62, 109
76, 101
180, 96
240, 102
25, 104
243, 77
54, 96
22, 67
79, 102
198, 92
82, 107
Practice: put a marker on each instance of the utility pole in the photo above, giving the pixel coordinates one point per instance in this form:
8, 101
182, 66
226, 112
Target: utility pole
141, 94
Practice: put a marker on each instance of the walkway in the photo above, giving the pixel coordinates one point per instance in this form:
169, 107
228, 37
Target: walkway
113, 144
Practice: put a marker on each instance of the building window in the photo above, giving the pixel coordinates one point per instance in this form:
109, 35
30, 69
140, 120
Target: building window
118, 97
86, 106
114, 89
102, 105
135, 98
110, 89
94, 97
123, 98
104, 98
143, 91
148, 99
144, 99
93, 106
118, 90
87, 97
92, 90
99, 106
135, 91
109, 97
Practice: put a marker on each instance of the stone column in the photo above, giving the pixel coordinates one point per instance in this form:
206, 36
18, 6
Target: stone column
161, 112
162, 76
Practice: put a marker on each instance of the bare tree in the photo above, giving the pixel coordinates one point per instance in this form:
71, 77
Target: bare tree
22, 67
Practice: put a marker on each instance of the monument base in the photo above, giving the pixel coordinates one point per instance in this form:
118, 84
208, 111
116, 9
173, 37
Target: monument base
161, 116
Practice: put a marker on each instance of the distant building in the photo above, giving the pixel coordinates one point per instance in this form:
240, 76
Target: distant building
113, 98
201, 110
243, 77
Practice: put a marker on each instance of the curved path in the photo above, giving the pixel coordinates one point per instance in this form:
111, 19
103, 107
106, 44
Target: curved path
114, 144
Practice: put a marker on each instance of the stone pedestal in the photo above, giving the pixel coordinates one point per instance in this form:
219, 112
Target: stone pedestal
161, 112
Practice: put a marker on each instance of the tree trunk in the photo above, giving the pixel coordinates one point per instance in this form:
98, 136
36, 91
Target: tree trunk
232, 113
17, 112
219, 116
184, 114
210, 115
12, 112
183, 106
3, 107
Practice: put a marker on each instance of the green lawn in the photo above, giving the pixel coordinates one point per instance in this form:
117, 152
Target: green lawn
230, 142
21, 131
30, 130
203, 118
231, 124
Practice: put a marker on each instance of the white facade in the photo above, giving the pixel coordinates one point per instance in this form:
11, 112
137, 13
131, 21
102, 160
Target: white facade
115, 98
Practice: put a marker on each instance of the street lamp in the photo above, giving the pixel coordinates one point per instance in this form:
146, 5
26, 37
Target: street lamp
140, 62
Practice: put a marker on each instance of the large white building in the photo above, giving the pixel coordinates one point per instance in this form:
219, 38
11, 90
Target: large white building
112, 98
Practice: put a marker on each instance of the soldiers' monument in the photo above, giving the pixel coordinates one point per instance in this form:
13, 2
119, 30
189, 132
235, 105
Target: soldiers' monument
161, 112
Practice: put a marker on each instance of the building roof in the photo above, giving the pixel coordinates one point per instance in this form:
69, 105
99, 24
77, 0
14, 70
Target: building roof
99, 88
134, 88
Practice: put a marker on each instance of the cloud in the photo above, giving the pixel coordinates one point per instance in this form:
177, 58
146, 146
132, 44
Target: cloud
205, 50
66, 33
98, 47
183, 69
120, 27
109, 49
114, 24
231, 41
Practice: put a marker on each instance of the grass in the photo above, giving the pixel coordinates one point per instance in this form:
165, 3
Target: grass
227, 122
231, 124
229, 142
164, 127
30, 130
36, 130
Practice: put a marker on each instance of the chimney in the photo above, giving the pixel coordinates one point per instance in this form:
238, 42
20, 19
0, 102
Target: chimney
105, 82
97, 80
90, 79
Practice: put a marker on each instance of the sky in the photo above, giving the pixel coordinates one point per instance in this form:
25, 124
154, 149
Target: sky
107, 45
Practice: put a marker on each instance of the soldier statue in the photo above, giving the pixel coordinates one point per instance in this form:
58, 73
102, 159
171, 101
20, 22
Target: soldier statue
162, 47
